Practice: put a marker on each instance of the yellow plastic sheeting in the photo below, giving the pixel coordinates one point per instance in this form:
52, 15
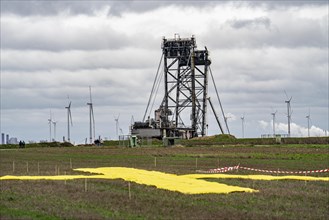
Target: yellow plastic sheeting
255, 177
59, 177
172, 182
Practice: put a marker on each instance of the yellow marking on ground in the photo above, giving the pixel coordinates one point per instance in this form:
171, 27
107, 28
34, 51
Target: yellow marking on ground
255, 177
172, 182
187, 184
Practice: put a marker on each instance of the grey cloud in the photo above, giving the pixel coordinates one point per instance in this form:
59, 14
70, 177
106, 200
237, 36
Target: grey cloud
34, 60
117, 8
259, 76
269, 32
45, 89
256, 23
279, 5
52, 7
57, 34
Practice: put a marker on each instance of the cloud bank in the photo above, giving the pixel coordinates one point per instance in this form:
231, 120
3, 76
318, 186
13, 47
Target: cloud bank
52, 50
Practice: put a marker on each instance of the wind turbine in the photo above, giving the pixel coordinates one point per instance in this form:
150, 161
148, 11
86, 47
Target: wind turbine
54, 123
116, 119
273, 114
308, 122
289, 112
91, 119
69, 118
49, 122
242, 119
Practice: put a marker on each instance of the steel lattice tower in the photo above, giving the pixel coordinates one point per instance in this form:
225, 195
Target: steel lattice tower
184, 106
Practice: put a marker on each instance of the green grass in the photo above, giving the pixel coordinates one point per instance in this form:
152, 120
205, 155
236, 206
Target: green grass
223, 139
108, 199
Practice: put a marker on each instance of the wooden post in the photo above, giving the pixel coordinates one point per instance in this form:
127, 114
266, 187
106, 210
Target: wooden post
38, 168
13, 166
196, 163
55, 169
27, 167
70, 163
129, 193
86, 187
155, 161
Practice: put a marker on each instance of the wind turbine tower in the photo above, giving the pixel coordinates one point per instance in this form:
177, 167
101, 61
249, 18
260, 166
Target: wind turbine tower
289, 112
54, 123
308, 122
273, 114
49, 122
117, 125
91, 119
242, 119
69, 118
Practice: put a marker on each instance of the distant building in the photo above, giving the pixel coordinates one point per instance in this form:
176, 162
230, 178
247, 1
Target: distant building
2, 138
13, 140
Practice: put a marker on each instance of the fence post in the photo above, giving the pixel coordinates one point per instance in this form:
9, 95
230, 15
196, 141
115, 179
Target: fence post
129, 193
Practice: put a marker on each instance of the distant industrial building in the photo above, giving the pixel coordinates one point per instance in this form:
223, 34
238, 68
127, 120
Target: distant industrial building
13, 140
2, 138
6, 140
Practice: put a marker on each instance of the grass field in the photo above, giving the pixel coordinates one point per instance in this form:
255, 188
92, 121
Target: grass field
104, 199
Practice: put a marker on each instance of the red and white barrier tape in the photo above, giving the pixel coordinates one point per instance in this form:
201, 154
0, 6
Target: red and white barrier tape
226, 169
285, 172
219, 170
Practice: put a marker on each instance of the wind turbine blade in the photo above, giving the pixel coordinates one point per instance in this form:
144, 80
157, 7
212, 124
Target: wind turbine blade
286, 94
90, 94
70, 105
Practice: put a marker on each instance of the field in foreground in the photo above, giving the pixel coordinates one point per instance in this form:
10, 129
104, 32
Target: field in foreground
103, 199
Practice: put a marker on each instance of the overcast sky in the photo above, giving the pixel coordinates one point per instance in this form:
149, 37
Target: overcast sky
54, 49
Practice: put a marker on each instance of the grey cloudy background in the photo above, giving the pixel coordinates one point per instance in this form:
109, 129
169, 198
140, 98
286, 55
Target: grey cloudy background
54, 49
